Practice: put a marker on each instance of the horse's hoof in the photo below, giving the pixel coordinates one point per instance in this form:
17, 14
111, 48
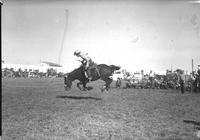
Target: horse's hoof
84, 89
66, 88
89, 88
103, 88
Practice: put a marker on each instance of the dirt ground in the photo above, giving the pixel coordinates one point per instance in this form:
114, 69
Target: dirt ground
40, 109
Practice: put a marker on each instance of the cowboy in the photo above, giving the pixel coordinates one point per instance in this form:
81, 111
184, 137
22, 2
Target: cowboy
88, 62
198, 78
151, 78
198, 70
181, 79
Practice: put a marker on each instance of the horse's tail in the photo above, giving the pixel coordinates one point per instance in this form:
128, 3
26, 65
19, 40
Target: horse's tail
113, 67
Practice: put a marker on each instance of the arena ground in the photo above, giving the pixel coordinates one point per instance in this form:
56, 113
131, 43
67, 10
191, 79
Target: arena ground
40, 109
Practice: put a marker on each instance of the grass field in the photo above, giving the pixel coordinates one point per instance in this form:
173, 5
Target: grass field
40, 109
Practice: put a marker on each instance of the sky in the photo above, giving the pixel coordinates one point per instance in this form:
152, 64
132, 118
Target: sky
150, 35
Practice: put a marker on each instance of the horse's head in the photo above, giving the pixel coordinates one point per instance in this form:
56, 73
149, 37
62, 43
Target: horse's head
67, 82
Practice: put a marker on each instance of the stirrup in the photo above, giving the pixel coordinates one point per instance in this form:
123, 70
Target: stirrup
90, 78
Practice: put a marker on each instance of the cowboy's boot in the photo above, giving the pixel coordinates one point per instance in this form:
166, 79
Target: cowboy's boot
89, 74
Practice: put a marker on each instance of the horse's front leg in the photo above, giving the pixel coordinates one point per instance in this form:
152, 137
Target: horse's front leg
84, 86
107, 84
78, 85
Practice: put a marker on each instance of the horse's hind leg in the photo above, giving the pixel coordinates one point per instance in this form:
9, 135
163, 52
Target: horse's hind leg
108, 82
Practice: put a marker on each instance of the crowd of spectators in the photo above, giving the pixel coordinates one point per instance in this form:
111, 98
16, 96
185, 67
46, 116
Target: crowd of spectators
11, 73
177, 79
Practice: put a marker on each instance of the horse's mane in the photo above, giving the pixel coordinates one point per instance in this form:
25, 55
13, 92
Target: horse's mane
73, 72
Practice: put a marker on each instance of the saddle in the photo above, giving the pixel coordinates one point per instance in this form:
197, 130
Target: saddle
92, 70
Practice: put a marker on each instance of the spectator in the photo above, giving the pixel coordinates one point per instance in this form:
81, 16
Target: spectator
198, 78
151, 76
181, 79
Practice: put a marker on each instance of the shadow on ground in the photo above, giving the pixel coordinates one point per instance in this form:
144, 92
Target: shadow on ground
77, 97
195, 123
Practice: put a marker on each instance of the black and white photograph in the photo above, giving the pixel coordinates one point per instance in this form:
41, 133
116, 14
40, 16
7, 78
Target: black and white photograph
100, 69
